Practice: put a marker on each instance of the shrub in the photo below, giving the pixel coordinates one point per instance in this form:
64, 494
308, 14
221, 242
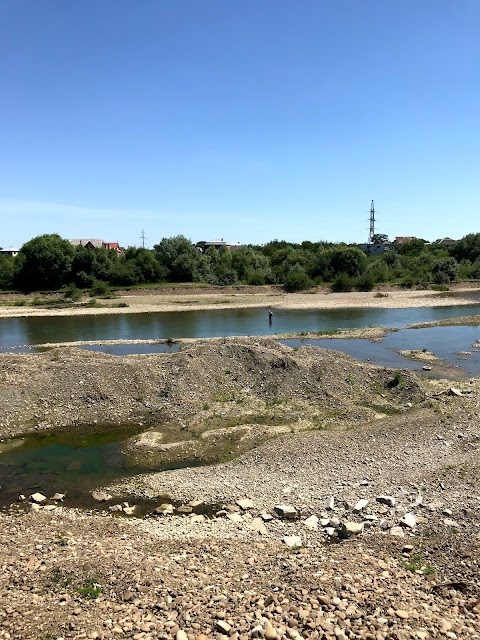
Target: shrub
342, 283
297, 280
100, 288
72, 293
365, 282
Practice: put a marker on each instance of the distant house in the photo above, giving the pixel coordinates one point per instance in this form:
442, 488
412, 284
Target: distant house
445, 242
376, 249
403, 239
95, 243
217, 244
9, 252
88, 242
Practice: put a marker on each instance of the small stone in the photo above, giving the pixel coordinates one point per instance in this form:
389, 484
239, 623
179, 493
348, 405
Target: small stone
266, 517
286, 511
453, 391
101, 496
401, 613
58, 497
245, 503
184, 508
129, 510
164, 509
397, 531
269, 632
348, 529
223, 627
330, 503
330, 531
197, 518
451, 523
181, 635
388, 500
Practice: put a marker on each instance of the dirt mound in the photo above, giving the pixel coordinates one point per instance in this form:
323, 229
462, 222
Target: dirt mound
221, 378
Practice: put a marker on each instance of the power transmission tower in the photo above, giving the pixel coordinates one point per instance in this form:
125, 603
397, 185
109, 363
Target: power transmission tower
143, 237
372, 224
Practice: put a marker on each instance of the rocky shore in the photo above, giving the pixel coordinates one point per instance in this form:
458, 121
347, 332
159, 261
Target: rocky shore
359, 519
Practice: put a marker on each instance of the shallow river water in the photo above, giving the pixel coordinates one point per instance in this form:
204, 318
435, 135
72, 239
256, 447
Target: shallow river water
211, 323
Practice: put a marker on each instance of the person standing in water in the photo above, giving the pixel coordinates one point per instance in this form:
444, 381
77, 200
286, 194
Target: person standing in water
270, 315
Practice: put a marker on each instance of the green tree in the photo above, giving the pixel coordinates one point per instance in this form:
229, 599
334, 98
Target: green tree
379, 238
181, 261
43, 263
6, 272
445, 270
468, 248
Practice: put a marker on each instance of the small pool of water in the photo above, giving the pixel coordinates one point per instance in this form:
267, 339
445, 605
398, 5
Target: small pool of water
454, 345
70, 461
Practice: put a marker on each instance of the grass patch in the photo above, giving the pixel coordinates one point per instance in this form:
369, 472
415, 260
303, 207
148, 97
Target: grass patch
418, 564
90, 589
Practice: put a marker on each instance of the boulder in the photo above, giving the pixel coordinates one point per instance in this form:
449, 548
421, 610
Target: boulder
164, 509
348, 529
330, 503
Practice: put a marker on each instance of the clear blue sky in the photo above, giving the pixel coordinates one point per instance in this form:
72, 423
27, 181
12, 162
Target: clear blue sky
248, 120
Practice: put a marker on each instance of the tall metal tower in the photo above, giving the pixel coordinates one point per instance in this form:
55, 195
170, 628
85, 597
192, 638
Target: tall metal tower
143, 237
372, 224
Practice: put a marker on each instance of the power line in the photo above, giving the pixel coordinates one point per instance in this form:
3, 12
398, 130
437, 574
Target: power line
143, 237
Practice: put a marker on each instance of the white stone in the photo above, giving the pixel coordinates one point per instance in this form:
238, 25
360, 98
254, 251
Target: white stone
266, 517
330, 531
408, 520
129, 510
293, 541
330, 503
197, 518
361, 504
37, 497
324, 522
311, 523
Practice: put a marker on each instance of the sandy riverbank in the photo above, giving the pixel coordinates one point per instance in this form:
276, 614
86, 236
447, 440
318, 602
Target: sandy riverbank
200, 298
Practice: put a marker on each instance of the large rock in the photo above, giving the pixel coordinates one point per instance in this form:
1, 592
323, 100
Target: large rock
286, 511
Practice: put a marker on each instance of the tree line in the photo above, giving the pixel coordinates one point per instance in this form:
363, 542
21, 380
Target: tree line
49, 262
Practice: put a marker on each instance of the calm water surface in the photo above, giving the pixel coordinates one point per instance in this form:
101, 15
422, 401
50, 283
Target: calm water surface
211, 323
444, 342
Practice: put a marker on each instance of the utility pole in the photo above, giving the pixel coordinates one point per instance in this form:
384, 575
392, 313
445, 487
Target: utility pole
372, 224
143, 237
